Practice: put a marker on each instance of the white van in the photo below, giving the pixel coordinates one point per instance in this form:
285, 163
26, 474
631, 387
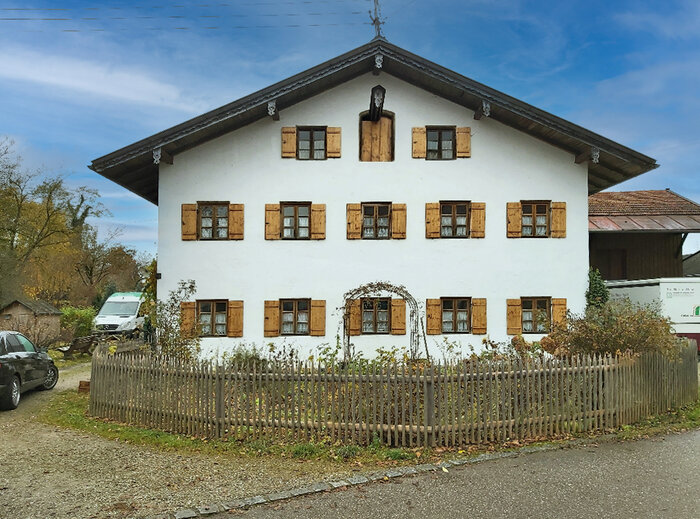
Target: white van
120, 313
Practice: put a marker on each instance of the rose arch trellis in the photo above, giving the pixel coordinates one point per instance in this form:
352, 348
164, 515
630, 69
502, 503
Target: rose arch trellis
375, 289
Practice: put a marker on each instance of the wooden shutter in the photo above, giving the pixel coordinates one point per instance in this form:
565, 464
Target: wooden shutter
235, 221
333, 142
272, 318
289, 142
478, 220
317, 327
515, 220
234, 324
376, 140
464, 143
558, 226
478, 316
272, 221
189, 221
433, 316
355, 318
514, 316
398, 317
318, 221
432, 220
354, 215
188, 317
398, 221
419, 142
559, 311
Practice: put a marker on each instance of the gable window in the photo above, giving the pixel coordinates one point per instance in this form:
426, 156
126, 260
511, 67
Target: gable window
536, 314
375, 315
213, 221
454, 218
375, 221
295, 316
311, 143
440, 143
212, 318
535, 219
455, 315
296, 221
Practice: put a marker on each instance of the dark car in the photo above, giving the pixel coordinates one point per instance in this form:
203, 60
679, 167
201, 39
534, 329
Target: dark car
22, 367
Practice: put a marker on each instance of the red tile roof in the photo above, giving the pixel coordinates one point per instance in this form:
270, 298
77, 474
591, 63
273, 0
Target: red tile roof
640, 203
642, 211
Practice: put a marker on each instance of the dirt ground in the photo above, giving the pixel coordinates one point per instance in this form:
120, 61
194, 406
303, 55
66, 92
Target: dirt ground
52, 472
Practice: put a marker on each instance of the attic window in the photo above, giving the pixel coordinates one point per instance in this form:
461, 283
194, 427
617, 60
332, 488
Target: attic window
377, 138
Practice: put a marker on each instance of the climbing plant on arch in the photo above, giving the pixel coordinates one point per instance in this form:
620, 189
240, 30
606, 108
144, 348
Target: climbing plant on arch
376, 289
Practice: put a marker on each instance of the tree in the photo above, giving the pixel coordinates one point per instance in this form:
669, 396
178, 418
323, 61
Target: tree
597, 294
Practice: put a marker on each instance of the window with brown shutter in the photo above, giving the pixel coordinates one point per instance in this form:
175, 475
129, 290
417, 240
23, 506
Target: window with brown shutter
376, 218
212, 221
464, 143
535, 219
455, 315
478, 316
398, 221
558, 226
354, 318
189, 221
419, 143
558, 310
354, 221
514, 317
440, 143
212, 318
289, 142
536, 314
514, 218
333, 141
432, 220
477, 220
376, 315
311, 143
188, 318
295, 314
454, 219
296, 220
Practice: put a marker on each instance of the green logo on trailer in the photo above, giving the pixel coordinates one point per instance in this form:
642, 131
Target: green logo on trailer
697, 310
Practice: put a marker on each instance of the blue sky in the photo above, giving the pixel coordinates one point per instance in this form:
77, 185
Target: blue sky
101, 75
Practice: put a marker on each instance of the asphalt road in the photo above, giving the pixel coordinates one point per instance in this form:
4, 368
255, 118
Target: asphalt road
656, 478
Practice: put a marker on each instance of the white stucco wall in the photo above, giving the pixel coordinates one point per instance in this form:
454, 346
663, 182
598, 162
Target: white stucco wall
245, 167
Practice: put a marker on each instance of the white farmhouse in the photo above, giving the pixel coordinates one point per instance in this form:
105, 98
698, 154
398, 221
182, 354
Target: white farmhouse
377, 165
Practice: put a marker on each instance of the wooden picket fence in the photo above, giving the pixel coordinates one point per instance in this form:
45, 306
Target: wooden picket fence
449, 404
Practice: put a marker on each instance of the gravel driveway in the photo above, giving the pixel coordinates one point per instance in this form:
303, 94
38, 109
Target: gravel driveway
53, 472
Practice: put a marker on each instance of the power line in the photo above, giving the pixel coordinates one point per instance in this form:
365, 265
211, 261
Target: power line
227, 27
177, 6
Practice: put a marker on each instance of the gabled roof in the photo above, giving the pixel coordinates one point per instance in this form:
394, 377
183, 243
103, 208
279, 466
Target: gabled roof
36, 306
642, 211
133, 166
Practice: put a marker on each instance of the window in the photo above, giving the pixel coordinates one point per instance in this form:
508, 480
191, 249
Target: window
454, 218
296, 221
377, 138
535, 219
295, 316
375, 315
440, 143
26, 343
311, 143
375, 221
455, 315
536, 314
213, 221
212, 318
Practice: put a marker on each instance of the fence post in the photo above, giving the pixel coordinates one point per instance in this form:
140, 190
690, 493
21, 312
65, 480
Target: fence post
219, 401
429, 388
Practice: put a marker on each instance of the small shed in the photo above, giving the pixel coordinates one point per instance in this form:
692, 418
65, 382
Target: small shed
38, 320
640, 234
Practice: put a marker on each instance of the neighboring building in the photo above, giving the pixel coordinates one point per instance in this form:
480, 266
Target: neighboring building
691, 264
38, 320
640, 234
377, 165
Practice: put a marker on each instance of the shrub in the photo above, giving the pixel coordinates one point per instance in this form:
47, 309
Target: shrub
616, 327
597, 294
306, 450
173, 341
77, 322
347, 452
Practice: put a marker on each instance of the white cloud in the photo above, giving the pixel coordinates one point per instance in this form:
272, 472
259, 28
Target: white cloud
77, 76
679, 24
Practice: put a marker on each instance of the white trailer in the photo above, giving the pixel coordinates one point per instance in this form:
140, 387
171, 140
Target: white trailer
679, 298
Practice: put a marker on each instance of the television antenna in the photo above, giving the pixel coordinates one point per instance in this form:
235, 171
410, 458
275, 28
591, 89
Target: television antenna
377, 19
